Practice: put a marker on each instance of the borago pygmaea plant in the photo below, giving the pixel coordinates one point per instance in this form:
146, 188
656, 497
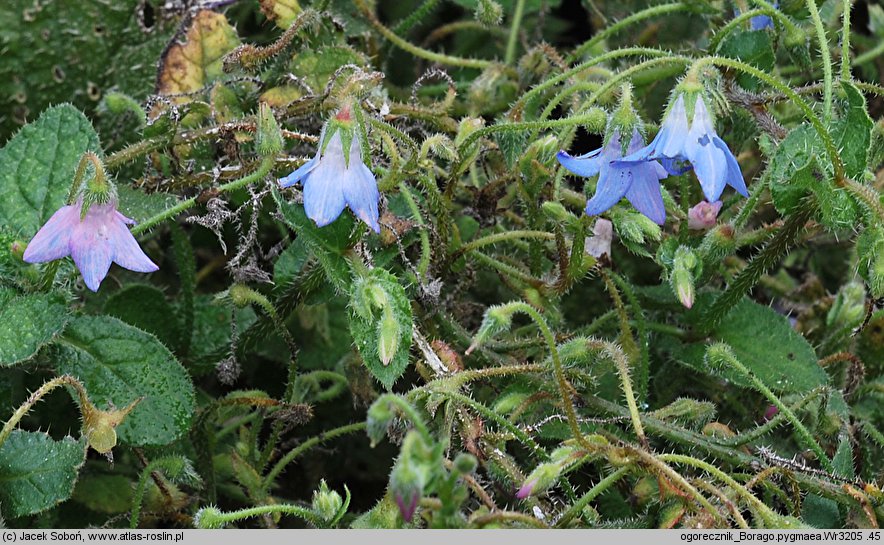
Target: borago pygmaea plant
442, 264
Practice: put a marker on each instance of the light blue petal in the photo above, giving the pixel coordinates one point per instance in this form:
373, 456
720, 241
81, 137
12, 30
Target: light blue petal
323, 193
125, 249
52, 241
302, 172
361, 194
670, 141
734, 174
613, 185
710, 165
639, 156
587, 165
644, 193
92, 255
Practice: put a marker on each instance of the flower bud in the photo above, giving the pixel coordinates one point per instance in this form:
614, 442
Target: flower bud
489, 13
465, 463
269, 138
682, 276
703, 215
326, 503
543, 477
411, 473
388, 336
556, 212
497, 319
99, 426
378, 419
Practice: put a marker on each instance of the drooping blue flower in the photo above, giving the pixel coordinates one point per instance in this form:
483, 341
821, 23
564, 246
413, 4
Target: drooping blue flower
332, 181
93, 241
638, 181
697, 143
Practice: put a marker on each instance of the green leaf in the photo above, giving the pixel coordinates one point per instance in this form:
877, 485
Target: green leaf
37, 472
820, 512
326, 243
796, 172
139, 206
145, 307
512, 144
37, 167
752, 47
853, 132
767, 345
53, 53
110, 494
118, 364
368, 324
27, 322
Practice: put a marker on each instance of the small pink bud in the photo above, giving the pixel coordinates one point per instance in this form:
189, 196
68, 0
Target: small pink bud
703, 215
526, 489
770, 413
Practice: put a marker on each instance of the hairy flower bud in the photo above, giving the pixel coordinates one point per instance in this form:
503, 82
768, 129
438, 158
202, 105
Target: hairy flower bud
269, 138
326, 503
489, 13
682, 276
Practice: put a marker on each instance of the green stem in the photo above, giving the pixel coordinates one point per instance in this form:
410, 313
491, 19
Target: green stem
735, 23
636, 17
622, 364
611, 55
869, 55
263, 169
410, 412
845, 40
775, 249
37, 395
594, 492
727, 356
415, 50
767, 427
826, 58
304, 447
218, 519
426, 250
765, 512
514, 32
416, 17
501, 237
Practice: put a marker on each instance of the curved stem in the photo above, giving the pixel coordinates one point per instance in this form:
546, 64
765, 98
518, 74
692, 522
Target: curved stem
592, 494
728, 357
765, 512
636, 17
37, 395
741, 18
826, 57
263, 169
305, 446
831, 149
415, 50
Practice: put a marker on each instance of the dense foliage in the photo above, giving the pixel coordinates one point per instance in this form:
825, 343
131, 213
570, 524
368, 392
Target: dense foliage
441, 263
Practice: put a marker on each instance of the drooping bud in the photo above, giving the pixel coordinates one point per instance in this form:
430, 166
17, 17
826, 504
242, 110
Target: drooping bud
556, 212
497, 319
326, 503
269, 138
378, 419
209, 518
682, 276
411, 473
543, 477
703, 215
